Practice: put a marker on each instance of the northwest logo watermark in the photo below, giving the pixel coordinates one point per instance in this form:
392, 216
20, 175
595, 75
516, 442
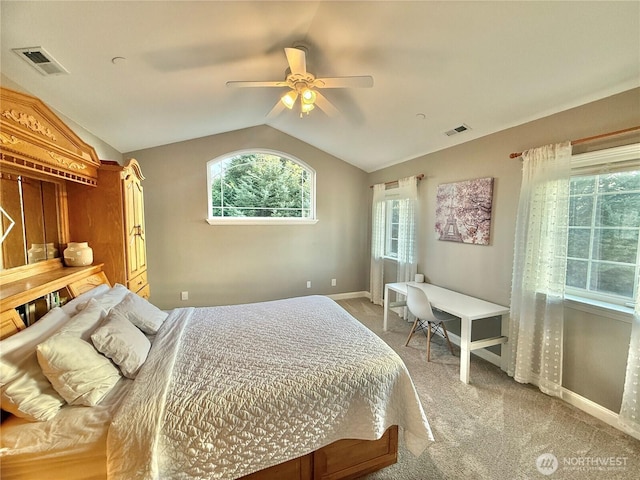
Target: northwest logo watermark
548, 463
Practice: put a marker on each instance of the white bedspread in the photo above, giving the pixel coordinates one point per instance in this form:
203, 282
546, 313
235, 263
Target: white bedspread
227, 391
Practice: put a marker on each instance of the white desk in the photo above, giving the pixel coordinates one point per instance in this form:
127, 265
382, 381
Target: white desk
463, 306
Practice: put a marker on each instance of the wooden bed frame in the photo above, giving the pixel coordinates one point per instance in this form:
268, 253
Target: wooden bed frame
341, 460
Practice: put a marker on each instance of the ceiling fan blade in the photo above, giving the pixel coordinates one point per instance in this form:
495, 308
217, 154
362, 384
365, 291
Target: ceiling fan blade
236, 84
276, 110
325, 105
297, 59
364, 81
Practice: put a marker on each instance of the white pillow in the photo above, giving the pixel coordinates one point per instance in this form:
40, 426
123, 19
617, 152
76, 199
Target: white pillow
144, 315
106, 296
76, 370
77, 304
80, 374
26, 392
84, 323
122, 342
113, 296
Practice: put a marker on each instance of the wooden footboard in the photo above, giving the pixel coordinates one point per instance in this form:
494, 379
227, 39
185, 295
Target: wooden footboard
342, 460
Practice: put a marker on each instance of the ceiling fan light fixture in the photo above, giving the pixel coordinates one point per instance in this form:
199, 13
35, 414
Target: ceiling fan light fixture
289, 99
303, 84
308, 96
306, 107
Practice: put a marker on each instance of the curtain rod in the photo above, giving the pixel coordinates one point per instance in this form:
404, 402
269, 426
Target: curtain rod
395, 182
589, 139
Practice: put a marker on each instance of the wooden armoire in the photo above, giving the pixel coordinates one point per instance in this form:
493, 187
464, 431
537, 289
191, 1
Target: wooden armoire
40, 157
54, 190
111, 218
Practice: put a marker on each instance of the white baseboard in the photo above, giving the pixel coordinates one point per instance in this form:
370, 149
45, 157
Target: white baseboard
348, 295
592, 408
595, 410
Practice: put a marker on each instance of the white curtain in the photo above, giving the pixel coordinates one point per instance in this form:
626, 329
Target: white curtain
406, 194
378, 225
629, 417
539, 269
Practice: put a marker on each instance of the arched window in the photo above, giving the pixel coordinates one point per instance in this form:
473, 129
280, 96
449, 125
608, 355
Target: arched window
260, 186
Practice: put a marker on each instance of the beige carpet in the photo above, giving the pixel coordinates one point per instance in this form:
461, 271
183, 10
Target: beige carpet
495, 428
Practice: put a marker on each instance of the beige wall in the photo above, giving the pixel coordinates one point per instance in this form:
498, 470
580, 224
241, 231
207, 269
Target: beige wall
595, 347
225, 264
595, 356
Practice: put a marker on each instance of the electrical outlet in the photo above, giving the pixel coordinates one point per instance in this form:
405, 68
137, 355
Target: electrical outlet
333, 282
308, 283
184, 295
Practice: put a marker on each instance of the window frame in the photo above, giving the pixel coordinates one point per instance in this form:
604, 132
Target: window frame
211, 220
390, 205
624, 158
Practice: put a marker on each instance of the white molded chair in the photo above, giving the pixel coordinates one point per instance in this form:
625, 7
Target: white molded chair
426, 319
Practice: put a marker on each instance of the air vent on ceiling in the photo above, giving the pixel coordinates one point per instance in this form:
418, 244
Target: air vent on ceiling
457, 130
41, 60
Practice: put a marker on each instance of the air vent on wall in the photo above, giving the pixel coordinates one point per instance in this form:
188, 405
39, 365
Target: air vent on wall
41, 60
457, 130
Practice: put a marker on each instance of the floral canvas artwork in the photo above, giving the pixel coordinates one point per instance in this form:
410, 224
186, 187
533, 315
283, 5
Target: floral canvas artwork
463, 211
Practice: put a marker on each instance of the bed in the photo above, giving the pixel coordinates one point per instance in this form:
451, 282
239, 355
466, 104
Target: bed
292, 388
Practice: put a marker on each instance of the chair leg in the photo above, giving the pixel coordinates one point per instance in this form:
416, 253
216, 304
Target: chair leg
413, 330
446, 335
428, 341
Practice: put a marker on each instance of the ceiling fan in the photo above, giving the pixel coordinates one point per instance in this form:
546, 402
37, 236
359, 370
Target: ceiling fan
305, 85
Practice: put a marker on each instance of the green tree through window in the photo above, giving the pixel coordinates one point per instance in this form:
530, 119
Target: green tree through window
604, 236
260, 184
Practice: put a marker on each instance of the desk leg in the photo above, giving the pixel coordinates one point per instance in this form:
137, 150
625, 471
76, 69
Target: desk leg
386, 302
504, 348
465, 353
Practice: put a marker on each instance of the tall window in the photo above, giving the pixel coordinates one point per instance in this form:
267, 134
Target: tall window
260, 186
392, 228
603, 257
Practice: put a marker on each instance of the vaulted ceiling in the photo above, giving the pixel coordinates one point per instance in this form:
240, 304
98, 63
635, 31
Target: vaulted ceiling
435, 65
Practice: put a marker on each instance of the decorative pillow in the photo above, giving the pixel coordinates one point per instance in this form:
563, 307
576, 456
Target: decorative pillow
84, 323
112, 297
107, 298
76, 370
122, 342
141, 313
25, 391
80, 374
77, 304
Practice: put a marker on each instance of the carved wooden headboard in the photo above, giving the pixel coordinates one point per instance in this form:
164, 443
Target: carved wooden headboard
33, 140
